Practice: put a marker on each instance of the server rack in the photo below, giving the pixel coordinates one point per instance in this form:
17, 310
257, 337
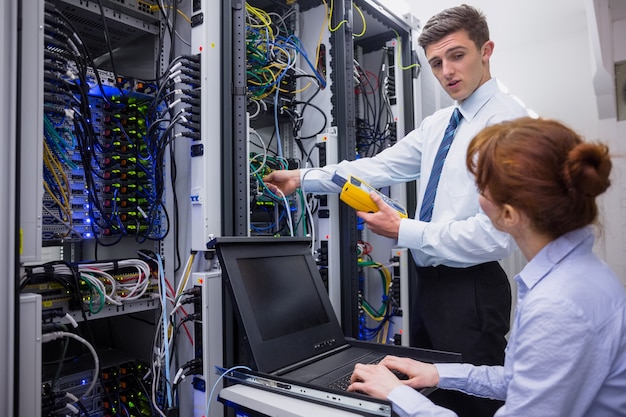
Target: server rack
120, 49
341, 116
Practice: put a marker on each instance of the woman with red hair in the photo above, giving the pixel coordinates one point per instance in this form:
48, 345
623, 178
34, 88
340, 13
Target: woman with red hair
566, 354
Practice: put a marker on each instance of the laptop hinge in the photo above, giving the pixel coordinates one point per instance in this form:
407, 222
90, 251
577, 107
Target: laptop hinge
307, 361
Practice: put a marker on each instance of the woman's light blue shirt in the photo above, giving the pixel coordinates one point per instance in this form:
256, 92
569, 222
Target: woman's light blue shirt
566, 355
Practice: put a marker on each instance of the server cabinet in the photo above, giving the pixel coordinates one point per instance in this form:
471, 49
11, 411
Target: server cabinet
108, 90
309, 114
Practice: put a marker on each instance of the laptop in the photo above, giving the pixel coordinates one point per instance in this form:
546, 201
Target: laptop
290, 326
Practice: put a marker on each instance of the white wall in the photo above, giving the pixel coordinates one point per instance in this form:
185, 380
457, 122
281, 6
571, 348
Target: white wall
543, 55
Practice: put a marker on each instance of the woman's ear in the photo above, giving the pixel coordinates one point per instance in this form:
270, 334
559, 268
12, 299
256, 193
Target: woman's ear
510, 216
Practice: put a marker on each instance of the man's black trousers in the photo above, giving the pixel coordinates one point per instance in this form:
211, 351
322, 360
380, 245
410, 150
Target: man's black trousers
463, 310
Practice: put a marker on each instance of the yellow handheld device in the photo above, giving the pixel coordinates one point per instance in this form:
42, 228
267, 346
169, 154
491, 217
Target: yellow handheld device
356, 194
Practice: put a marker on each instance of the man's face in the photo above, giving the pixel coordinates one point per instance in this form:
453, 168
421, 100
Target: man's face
459, 65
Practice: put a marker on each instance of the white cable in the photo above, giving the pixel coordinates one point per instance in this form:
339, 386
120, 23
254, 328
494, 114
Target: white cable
96, 282
311, 223
288, 209
308, 209
135, 290
174, 103
60, 220
182, 284
264, 146
155, 367
166, 341
258, 108
48, 337
175, 67
208, 399
71, 320
186, 269
138, 289
72, 397
179, 376
174, 74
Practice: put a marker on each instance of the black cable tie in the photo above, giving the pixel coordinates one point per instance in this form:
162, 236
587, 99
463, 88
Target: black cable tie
192, 93
192, 135
192, 101
191, 73
48, 270
192, 58
193, 126
192, 65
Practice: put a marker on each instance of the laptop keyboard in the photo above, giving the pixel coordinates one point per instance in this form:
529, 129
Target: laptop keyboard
343, 383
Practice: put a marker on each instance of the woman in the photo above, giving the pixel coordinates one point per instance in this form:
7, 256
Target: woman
566, 354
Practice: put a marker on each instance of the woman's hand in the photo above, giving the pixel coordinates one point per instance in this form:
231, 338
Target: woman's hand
419, 374
374, 380
379, 380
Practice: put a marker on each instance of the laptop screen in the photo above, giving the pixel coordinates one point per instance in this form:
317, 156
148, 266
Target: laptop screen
279, 298
283, 304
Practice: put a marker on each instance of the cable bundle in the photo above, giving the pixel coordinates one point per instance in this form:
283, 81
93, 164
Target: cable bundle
104, 152
382, 314
95, 285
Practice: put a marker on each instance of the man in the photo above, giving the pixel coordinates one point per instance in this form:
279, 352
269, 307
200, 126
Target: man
462, 300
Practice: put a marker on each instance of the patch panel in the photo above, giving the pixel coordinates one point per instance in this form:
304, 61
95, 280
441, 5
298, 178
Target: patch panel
110, 82
57, 297
143, 9
399, 291
116, 173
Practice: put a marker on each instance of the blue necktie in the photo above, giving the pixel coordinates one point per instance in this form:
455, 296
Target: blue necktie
426, 212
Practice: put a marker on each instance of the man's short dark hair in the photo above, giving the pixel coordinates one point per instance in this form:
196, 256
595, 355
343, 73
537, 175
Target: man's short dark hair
452, 20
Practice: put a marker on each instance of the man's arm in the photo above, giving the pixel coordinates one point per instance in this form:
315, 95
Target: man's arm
456, 242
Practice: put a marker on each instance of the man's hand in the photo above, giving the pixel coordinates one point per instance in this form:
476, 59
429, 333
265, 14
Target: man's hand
283, 182
385, 222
